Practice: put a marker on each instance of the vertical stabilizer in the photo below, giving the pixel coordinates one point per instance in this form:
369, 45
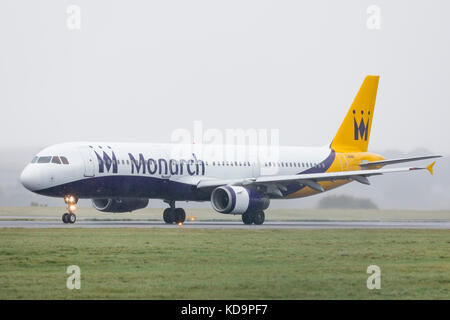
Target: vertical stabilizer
354, 133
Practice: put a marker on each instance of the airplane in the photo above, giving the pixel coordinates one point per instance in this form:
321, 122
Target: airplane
122, 177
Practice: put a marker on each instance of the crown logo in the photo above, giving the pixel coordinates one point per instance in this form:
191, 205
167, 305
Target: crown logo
361, 129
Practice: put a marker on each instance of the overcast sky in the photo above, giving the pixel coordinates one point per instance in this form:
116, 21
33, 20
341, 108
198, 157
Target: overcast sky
138, 70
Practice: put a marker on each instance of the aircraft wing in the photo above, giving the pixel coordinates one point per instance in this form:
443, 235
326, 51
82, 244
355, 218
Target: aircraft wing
310, 179
369, 165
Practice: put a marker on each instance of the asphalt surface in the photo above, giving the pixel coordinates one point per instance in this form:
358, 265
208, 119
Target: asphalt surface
232, 225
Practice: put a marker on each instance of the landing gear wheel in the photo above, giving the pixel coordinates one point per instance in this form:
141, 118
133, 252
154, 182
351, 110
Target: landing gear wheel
168, 216
72, 218
258, 217
247, 218
180, 215
71, 201
65, 218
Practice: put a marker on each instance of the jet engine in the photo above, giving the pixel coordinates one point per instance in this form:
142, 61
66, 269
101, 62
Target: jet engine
119, 205
238, 200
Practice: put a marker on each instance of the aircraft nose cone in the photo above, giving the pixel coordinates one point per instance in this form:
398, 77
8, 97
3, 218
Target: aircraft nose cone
29, 179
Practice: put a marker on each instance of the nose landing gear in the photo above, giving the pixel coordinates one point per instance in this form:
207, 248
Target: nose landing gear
70, 217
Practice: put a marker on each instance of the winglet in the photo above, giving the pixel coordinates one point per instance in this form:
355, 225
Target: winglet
430, 167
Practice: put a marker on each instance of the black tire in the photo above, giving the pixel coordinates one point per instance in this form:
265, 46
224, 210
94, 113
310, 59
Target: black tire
168, 216
247, 218
65, 218
258, 217
180, 215
72, 218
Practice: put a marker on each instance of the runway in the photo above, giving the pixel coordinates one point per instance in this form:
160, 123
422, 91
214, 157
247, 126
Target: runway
231, 225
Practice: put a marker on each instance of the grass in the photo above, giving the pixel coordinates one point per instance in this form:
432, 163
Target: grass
224, 264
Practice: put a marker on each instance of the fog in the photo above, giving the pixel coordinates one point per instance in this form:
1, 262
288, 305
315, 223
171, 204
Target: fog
138, 70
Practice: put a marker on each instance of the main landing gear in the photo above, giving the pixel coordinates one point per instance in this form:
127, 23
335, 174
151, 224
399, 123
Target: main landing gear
70, 217
256, 217
173, 215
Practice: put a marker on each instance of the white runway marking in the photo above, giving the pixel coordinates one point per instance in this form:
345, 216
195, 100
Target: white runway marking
233, 225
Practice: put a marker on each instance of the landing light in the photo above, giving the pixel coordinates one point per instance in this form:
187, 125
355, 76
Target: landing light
72, 208
180, 224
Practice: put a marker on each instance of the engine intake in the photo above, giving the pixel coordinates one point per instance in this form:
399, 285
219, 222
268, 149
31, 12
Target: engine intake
237, 200
119, 205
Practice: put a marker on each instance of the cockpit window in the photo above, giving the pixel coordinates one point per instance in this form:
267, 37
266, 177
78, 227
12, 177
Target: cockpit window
64, 160
56, 160
34, 159
44, 159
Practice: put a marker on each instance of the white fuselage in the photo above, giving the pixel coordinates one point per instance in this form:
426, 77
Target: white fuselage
165, 171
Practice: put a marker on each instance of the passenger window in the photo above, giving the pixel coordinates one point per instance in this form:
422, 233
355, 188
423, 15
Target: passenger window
34, 159
64, 160
44, 159
56, 160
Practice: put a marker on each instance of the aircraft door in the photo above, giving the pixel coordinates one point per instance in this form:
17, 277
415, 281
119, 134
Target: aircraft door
256, 170
88, 158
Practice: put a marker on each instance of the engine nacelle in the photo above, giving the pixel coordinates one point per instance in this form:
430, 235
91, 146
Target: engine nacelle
119, 205
237, 200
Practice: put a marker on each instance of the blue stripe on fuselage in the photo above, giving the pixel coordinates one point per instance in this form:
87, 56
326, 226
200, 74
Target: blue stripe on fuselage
294, 187
127, 187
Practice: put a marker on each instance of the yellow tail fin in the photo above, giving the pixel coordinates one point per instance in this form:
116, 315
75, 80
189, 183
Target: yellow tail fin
354, 133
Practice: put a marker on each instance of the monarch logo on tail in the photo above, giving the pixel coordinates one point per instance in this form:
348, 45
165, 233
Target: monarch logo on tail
361, 130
